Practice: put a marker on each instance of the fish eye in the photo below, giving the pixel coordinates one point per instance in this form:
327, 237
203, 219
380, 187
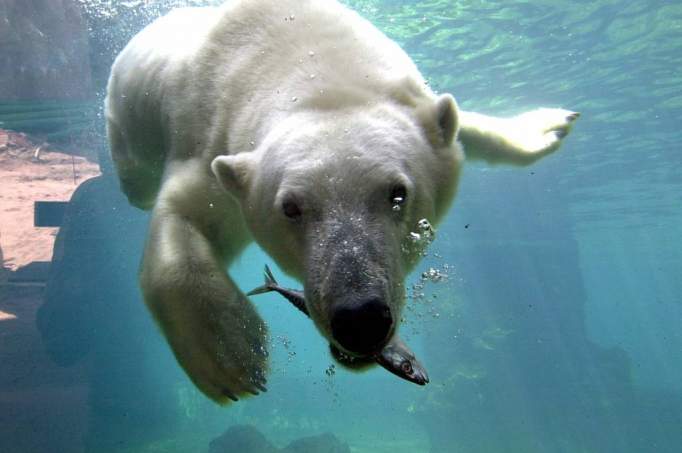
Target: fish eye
406, 366
291, 209
398, 195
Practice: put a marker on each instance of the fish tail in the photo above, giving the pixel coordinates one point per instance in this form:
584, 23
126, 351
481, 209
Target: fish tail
267, 287
269, 278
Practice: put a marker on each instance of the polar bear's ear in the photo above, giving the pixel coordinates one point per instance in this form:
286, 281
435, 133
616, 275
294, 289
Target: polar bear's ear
440, 121
233, 172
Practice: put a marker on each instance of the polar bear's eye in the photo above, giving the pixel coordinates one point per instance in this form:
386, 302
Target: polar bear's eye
398, 195
291, 209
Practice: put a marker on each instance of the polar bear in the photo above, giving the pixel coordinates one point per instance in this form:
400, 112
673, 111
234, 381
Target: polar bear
299, 125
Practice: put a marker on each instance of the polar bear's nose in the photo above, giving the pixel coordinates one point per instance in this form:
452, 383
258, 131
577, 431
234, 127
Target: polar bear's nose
363, 327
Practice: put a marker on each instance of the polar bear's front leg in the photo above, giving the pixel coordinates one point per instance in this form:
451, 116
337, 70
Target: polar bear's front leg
519, 140
214, 331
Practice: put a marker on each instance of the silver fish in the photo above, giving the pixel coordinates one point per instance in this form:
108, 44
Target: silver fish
395, 357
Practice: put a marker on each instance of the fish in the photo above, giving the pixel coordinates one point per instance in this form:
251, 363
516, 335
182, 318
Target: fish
396, 357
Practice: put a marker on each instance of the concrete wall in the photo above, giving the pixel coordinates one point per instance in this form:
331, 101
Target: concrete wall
43, 51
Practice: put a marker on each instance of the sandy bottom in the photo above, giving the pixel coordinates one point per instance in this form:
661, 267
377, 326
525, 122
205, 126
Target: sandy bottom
53, 176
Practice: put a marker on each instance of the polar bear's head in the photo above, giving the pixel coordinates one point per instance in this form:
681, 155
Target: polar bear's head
333, 196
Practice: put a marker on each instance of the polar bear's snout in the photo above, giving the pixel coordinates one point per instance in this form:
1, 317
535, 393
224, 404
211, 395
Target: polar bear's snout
353, 281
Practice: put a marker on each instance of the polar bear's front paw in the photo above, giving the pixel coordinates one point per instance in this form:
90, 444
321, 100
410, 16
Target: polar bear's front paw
537, 133
222, 348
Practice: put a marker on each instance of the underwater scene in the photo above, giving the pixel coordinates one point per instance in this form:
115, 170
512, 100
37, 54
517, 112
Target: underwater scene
543, 314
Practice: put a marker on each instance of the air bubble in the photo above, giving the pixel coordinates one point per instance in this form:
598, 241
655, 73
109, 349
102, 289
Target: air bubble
418, 241
434, 275
425, 227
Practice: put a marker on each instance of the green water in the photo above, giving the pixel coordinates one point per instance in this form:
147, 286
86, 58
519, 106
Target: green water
558, 327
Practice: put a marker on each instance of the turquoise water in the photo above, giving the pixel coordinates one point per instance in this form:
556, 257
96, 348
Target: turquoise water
557, 328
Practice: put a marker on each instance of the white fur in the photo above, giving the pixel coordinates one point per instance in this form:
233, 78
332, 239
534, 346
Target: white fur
274, 98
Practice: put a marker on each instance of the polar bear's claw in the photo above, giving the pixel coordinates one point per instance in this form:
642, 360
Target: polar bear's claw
261, 386
230, 395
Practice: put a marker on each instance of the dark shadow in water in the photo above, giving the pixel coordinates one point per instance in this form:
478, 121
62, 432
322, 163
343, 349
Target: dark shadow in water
93, 312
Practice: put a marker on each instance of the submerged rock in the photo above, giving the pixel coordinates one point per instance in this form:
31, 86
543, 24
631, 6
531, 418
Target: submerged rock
324, 443
242, 439
247, 439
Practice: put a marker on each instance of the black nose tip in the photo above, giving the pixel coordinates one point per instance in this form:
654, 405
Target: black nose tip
363, 327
